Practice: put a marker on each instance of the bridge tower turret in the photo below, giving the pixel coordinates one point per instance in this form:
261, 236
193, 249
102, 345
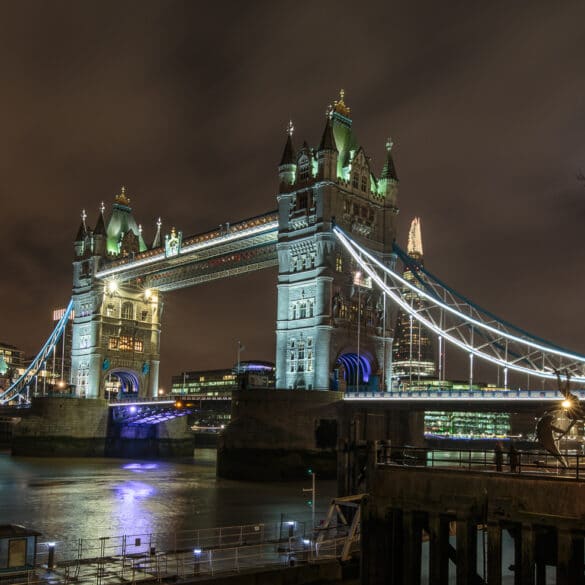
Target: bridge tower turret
331, 329
287, 168
116, 328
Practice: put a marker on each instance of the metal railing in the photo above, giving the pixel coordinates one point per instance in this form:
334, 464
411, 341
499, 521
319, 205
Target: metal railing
519, 462
184, 555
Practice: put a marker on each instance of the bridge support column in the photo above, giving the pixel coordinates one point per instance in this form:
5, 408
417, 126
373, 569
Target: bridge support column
494, 566
412, 541
438, 549
466, 550
379, 536
570, 559
524, 573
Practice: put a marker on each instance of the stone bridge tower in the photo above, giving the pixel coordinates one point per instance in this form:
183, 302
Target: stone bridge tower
116, 329
331, 330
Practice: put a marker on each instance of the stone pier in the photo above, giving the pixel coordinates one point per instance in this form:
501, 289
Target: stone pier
544, 514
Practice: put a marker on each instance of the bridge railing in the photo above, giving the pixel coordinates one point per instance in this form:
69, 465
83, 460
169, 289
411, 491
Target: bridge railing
519, 462
448, 393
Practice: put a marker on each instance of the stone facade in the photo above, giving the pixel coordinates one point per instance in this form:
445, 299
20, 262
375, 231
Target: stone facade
329, 319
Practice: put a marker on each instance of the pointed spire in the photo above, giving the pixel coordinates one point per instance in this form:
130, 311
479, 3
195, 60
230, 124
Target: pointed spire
157, 239
288, 155
100, 226
389, 170
328, 140
415, 247
82, 231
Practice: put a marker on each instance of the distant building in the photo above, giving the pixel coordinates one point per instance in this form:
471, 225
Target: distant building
252, 374
213, 389
413, 355
60, 364
11, 363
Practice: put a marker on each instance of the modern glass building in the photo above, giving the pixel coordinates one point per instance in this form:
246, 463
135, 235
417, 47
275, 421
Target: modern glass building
413, 354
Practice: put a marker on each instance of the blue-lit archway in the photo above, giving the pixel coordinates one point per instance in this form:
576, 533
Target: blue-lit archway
121, 383
355, 370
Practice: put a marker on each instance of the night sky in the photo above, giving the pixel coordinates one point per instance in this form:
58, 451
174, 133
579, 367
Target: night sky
186, 104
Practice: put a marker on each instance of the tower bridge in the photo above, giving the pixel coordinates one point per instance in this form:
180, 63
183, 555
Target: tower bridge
332, 238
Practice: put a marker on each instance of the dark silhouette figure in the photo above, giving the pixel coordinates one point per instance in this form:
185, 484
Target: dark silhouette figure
498, 457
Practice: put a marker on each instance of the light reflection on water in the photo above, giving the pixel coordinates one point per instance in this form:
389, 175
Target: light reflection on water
91, 498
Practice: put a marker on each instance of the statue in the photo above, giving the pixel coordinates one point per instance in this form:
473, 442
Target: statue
548, 433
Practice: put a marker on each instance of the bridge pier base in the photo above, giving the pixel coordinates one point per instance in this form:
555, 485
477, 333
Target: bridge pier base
542, 513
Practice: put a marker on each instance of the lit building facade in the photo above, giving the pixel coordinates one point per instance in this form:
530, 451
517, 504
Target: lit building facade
11, 364
412, 349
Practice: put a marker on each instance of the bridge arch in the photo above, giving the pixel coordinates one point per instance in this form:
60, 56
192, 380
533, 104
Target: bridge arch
354, 371
120, 382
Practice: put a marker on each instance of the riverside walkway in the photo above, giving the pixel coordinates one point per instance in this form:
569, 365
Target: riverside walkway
189, 556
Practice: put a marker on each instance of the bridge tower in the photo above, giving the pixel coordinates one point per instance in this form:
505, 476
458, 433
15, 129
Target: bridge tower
332, 331
116, 328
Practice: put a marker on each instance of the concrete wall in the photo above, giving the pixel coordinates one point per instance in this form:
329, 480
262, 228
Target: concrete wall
278, 434
62, 427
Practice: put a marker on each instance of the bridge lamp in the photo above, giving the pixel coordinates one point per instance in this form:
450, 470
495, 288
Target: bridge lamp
147, 294
566, 404
161, 391
112, 286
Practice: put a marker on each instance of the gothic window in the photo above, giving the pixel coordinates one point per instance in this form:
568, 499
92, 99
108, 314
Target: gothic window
311, 307
304, 170
138, 345
144, 315
301, 357
293, 356
355, 181
113, 343
355, 209
127, 311
294, 262
339, 264
309, 356
110, 310
312, 259
126, 343
293, 310
364, 183
302, 313
84, 341
302, 201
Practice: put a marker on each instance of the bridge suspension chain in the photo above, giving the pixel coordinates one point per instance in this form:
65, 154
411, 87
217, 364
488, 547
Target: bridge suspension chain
462, 323
20, 387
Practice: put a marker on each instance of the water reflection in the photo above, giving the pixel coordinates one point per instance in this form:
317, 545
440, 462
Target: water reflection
92, 498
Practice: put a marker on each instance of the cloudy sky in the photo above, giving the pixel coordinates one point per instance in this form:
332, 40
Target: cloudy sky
186, 104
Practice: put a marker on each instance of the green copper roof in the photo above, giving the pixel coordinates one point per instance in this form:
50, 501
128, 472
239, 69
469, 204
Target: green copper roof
120, 223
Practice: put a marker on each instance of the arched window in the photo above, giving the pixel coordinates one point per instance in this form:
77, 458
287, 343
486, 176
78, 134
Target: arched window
127, 311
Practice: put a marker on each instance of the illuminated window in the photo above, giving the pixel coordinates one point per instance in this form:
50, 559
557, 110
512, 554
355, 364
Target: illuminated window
113, 343
126, 343
339, 264
138, 345
127, 311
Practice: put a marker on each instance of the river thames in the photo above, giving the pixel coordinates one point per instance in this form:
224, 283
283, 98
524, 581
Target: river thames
68, 499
